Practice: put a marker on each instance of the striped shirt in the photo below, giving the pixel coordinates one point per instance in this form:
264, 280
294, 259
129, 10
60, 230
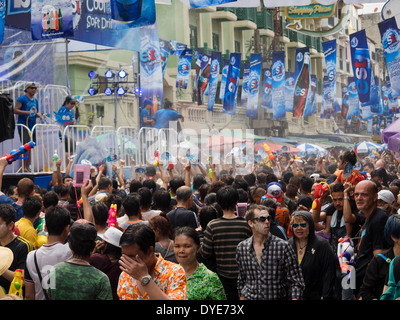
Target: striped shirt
221, 239
277, 277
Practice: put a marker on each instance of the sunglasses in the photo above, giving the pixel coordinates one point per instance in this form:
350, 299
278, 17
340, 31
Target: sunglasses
296, 225
263, 218
34, 88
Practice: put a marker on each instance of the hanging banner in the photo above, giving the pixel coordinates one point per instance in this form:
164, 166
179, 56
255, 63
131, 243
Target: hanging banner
327, 103
224, 77
345, 101
213, 81
278, 85
361, 63
392, 102
289, 91
203, 75
51, 19
266, 100
232, 84
151, 82
184, 64
329, 48
176, 48
254, 84
206, 3
354, 102
303, 80
308, 111
245, 84
164, 54
2, 19
391, 46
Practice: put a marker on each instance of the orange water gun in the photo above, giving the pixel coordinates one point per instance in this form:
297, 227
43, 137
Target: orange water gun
319, 191
156, 158
269, 152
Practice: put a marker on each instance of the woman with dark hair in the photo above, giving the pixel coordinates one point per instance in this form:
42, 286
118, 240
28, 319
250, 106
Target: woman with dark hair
202, 283
163, 231
65, 116
316, 258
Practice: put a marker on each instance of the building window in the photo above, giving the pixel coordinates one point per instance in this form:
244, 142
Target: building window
193, 37
215, 41
99, 111
237, 47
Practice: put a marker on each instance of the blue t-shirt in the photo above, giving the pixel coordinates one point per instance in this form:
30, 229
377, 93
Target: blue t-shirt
18, 208
144, 114
164, 116
64, 116
28, 105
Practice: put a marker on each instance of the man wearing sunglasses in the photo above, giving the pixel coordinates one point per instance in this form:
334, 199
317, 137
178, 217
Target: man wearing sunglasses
27, 107
268, 269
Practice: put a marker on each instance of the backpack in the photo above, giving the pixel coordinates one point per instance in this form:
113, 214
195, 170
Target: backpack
393, 291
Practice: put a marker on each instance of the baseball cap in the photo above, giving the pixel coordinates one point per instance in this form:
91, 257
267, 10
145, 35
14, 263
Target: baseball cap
112, 236
386, 195
146, 102
82, 231
29, 84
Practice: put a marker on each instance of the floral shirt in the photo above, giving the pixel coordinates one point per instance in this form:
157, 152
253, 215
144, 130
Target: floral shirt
203, 284
169, 277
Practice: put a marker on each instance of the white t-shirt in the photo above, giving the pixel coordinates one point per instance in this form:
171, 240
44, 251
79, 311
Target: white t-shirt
47, 256
150, 214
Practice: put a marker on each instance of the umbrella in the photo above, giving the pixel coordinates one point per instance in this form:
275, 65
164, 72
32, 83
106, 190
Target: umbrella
390, 131
367, 147
309, 148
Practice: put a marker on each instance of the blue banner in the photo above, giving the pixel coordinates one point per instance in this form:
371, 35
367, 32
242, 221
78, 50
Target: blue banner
206, 3
391, 46
2, 19
310, 107
354, 102
224, 78
361, 63
393, 102
51, 19
151, 81
176, 48
213, 81
184, 64
254, 84
232, 84
327, 103
289, 91
164, 54
266, 100
202, 76
330, 61
278, 85
303, 81
245, 84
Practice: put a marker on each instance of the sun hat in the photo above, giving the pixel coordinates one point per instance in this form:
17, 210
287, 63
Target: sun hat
6, 259
112, 236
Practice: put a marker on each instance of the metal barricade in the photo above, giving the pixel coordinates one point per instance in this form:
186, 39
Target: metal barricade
73, 135
53, 98
107, 137
48, 139
168, 142
128, 147
148, 143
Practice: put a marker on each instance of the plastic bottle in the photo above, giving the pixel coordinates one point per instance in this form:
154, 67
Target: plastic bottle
16, 284
54, 160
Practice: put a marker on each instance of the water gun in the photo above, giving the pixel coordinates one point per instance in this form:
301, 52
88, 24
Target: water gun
269, 152
112, 216
42, 234
17, 154
16, 284
210, 173
319, 191
345, 253
170, 165
156, 158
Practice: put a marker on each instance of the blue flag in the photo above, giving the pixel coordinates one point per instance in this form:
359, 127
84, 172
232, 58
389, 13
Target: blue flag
254, 84
184, 64
232, 83
266, 100
213, 81
278, 85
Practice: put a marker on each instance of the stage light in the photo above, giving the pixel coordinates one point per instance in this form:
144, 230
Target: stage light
93, 75
138, 92
109, 74
122, 74
92, 91
121, 91
108, 91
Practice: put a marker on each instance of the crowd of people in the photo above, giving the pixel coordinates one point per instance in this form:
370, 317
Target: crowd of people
306, 228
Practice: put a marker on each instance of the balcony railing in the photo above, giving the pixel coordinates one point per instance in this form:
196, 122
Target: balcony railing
265, 20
